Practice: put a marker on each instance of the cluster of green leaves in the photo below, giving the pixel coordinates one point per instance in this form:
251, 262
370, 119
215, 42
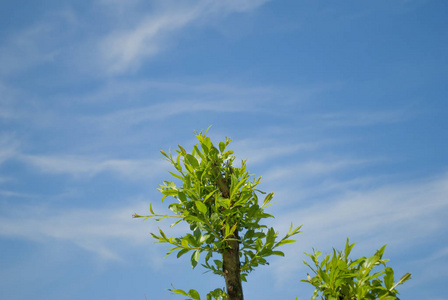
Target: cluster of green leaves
217, 294
220, 203
339, 278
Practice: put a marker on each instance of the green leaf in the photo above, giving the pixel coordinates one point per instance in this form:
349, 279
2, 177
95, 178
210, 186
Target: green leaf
200, 138
267, 199
227, 154
259, 244
182, 252
215, 218
174, 207
348, 249
207, 129
193, 161
389, 278
197, 234
177, 164
195, 258
193, 218
270, 237
204, 238
388, 298
180, 292
222, 147
182, 197
403, 279
295, 231
201, 207
232, 230
182, 149
284, 242
218, 264
191, 240
170, 192
279, 253
163, 234
210, 194
164, 154
194, 294
175, 223
189, 168
176, 175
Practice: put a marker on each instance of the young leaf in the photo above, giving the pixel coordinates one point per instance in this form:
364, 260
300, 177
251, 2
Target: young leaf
194, 294
175, 175
284, 242
270, 237
267, 199
389, 278
193, 161
201, 207
195, 258
222, 147
405, 277
180, 292
182, 149
182, 252
164, 154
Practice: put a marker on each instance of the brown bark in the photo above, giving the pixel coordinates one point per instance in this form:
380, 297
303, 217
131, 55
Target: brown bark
231, 255
231, 269
223, 187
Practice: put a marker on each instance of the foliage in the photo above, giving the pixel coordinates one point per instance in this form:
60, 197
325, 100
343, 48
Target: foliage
220, 203
339, 278
218, 294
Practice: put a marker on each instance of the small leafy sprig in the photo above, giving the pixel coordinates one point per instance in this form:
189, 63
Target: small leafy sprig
338, 277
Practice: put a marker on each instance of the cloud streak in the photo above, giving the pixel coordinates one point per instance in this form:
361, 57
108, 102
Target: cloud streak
92, 230
26, 50
312, 168
400, 215
8, 147
361, 118
124, 49
86, 166
135, 32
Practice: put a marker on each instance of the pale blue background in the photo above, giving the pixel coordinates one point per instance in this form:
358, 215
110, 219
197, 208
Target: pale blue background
341, 107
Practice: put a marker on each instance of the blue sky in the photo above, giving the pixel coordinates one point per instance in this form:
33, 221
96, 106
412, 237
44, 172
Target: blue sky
340, 106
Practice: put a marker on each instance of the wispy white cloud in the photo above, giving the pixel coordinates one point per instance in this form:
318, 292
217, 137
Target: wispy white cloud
7, 103
401, 215
433, 266
88, 166
179, 98
259, 150
95, 230
161, 111
362, 118
135, 31
7, 193
8, 147
132, 91
109, 233
125, 48
26, 49
312, 168
46, 41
